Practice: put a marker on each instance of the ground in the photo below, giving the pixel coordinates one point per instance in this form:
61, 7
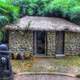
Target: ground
69, 64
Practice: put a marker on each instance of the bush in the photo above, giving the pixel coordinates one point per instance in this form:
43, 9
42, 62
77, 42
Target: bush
13, 12
59, 8
10, 11
75, 14
3, 21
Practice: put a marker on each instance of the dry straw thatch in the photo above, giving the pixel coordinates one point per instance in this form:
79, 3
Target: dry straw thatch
43, 24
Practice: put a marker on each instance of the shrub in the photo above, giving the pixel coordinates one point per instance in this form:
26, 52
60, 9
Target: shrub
10, 11
59, 8
13, 12
3, 21
62, 6
75, 14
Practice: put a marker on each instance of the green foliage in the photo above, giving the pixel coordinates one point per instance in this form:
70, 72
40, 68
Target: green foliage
61, 8
12, 9
62, 5
8, 12
75, 14
1, 36
3, 21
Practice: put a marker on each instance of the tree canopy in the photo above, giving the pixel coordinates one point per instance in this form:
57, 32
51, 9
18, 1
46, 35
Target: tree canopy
11, 10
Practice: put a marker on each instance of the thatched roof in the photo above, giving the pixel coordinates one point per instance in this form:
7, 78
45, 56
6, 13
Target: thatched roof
43, 23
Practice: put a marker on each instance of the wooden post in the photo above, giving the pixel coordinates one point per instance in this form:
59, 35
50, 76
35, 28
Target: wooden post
59, 43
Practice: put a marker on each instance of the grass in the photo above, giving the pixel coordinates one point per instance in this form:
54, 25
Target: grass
27, 65
21, 66
68, 61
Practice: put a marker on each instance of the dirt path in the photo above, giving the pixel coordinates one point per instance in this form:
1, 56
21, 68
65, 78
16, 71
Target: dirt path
44, 77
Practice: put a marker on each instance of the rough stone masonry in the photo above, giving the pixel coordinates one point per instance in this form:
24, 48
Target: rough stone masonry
22, 39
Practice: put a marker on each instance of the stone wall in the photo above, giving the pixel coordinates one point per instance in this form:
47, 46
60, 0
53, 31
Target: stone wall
72, 43
24, 40
51, 43
20, 40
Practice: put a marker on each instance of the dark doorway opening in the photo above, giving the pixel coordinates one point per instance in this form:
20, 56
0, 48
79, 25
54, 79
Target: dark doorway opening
40, 42
60, 42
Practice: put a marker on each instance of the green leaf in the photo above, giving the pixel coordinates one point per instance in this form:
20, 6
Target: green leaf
1, 36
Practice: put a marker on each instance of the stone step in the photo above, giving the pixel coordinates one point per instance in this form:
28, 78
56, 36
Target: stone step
59, 55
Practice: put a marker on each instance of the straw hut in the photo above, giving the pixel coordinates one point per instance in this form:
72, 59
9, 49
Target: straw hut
44, 36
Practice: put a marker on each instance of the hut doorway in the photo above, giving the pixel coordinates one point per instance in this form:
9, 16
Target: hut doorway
60, 42
39, 42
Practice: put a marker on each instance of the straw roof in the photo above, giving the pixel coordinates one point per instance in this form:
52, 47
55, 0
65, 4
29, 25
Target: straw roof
43, 24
